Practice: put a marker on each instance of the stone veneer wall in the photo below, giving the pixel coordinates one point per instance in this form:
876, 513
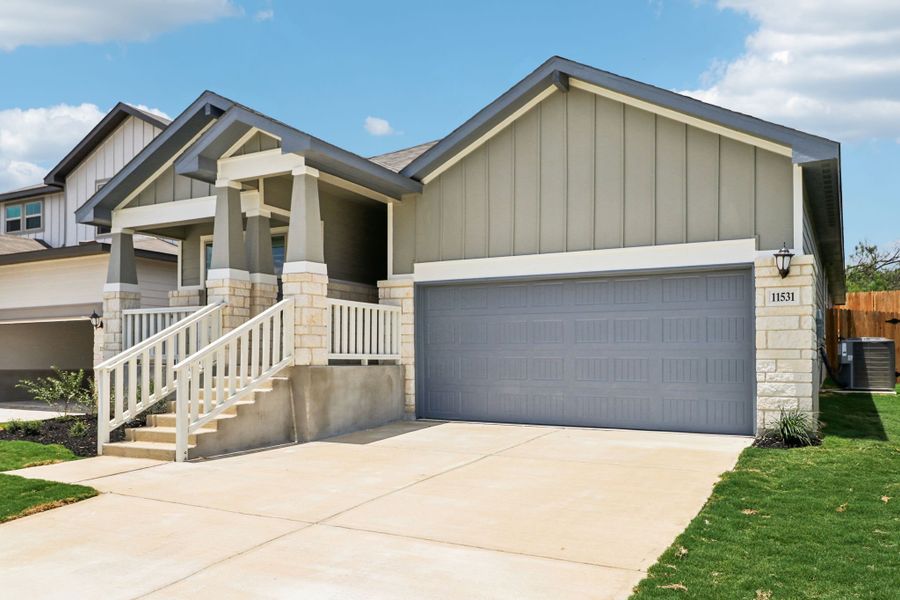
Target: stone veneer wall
113, 305
786, 352
309, 291
185, 297
262, 296
350, 290
399, 292
235, 295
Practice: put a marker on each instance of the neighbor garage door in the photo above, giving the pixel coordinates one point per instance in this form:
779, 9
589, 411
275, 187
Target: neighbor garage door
669, 351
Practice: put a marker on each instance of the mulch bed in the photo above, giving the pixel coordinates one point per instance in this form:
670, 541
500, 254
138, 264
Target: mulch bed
778, 443
56, 431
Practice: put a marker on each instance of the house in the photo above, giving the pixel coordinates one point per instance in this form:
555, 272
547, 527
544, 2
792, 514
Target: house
587, 250
52, 268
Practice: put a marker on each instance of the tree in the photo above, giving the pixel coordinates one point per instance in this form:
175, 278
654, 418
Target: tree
68, 388
872, 269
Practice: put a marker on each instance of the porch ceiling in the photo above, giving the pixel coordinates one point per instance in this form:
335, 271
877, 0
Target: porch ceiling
200, 161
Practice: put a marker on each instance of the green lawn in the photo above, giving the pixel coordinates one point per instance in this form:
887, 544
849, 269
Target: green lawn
20, 496
820, 522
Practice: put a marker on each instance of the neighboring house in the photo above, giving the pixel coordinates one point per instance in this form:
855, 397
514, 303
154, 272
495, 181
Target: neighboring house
52, 268
587, 250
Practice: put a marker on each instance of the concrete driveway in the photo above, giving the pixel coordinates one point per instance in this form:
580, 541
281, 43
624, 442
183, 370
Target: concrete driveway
409, 510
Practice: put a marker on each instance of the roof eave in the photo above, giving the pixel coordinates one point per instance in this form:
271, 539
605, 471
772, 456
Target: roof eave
200, 160
98, 208
34, 192
556, 70
120, 112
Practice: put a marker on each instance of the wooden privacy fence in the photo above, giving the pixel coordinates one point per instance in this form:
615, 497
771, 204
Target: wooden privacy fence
873, 302
841, 323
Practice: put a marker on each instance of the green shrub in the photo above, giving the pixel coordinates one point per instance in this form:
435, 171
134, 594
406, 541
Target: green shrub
78, 429
15, 426
31, 427
66, 387
793, 428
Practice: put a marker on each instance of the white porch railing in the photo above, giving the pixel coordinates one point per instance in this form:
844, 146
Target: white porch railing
217, 376
363, 331
139, 324
136, 379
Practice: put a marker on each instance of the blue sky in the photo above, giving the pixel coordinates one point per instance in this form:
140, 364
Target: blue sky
426, 67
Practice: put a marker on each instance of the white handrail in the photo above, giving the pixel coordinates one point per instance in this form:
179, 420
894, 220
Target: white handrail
363, 331
131, 382
139, 324
234, 365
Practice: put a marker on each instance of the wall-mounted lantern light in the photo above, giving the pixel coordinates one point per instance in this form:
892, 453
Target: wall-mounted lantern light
96, 321
783, 261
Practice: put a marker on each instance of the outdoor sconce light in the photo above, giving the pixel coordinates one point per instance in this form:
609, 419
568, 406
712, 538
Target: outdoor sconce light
96, 321
783, 261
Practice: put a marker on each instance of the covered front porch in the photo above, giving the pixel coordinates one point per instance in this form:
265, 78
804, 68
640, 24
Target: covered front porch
259, 226
284, 268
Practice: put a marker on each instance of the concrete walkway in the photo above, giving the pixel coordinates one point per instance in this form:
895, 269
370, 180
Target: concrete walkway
410, 510
30, 411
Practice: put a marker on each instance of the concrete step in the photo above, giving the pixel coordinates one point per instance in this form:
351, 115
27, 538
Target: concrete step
162, 434
168, 419
152, 450
248, 399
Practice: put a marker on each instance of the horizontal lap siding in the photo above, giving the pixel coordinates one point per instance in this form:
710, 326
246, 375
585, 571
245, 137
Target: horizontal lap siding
581, 172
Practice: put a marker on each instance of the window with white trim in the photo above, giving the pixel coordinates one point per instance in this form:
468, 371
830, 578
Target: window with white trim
24, 217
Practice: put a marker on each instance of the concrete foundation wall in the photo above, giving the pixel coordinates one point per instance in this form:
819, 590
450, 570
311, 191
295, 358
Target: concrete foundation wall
332, 400
262, 424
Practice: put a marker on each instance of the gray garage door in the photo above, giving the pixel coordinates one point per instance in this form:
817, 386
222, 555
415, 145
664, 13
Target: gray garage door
670, 352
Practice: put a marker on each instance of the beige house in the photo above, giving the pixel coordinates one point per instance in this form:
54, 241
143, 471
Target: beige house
587, 250
52, 268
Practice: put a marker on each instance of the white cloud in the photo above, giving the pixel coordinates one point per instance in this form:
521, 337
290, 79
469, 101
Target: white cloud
378, 126
55, 22
152, 111
264, 15
830, 67
33, 140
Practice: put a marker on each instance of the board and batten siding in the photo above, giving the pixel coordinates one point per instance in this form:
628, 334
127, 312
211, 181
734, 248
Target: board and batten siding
583, 172
171, 187
129, 138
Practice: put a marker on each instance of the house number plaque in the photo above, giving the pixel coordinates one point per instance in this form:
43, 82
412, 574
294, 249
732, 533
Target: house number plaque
788, 296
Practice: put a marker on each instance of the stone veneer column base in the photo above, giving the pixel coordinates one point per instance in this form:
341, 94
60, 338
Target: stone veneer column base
262, 296
399, 292
786, 352
235, 295
114, 302
309, 291
184, 297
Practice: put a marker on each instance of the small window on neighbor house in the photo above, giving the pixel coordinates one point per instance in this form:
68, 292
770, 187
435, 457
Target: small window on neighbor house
13, 218
34, 215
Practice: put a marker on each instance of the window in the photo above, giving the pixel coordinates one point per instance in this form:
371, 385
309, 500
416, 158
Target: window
24, 217
278, 248
207, 251
101, 229
13, 218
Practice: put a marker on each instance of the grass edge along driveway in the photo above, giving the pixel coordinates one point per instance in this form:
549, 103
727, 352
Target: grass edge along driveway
818, 522
20, 497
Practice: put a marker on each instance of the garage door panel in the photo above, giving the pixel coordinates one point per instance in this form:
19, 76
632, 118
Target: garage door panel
661, 352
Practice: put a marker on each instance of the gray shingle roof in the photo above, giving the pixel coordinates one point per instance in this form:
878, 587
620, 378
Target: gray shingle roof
11, 244
398, 159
